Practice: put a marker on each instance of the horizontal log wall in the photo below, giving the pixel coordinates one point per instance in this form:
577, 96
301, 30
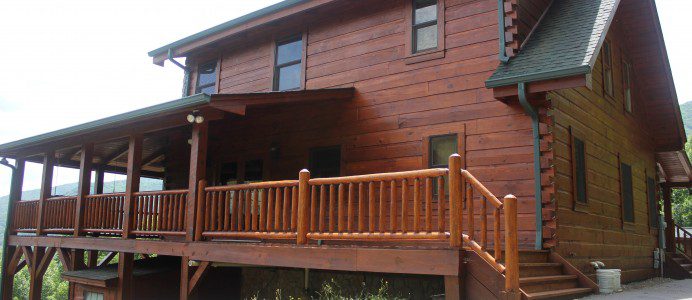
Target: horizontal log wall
397, 105
598, 233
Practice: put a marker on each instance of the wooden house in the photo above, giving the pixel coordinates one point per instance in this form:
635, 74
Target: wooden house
484, 149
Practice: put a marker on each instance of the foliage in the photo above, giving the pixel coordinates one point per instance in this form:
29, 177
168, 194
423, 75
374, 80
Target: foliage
333, 291
54, 288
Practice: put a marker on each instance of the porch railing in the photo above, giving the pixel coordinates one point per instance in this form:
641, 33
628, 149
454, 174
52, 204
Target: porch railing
103, 214
160, 213
25, 216
683, 240
59, 215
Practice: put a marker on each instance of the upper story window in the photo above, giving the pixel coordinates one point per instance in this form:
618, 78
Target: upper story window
206, 78
607, 69
288, 66
627, 85
425, 30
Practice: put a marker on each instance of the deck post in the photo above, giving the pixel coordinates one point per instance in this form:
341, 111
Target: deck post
198, 170
84, 185
37, 261
98, 183
511, 249
303, 206
668, 216
134, 168
46, 188
125, 268
15, 195
184, 278
455, 217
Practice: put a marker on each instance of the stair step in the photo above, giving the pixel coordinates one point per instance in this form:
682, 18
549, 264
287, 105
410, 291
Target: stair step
547, 283
534, 256
540, 269
560, 294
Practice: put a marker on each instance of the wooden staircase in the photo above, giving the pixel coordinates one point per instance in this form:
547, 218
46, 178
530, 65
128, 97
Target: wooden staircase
680, 266
545, 275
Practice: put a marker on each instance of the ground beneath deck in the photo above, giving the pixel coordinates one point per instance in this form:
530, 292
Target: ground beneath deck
656, 288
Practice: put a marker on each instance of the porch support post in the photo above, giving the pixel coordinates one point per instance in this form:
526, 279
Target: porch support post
125, 267
668, 216
46, 188
184, 277
134, 170
198, 170
37, 261
98, 183
7, 277
84, 185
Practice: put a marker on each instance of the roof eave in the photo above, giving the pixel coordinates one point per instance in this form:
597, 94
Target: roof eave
538, 76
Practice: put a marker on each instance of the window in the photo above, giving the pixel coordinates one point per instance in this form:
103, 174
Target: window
607, 69
93, 296
627, 193
425, 29
653, 203
627, 85
325, 162
440, 148
579, 169
206, 78
288, 66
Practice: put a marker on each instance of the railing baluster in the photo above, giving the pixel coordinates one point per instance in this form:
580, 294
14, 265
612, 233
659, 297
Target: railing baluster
270, 209
313, 208
332, 207
470, 209
277, 209
496, 233
294, 208
361, 207
404, 205
255, 208
441, 210
351, 206
263, 209
340, 208
428, 204
371, 206
323, 203
392, 206
484, 223
286, 218
416, 205
383, 209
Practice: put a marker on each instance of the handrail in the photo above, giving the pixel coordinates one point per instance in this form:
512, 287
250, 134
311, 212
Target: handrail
380, 177
683, 240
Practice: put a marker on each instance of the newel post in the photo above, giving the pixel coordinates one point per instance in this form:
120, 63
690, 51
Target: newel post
199, 210
455, 194
511, 249
303, 206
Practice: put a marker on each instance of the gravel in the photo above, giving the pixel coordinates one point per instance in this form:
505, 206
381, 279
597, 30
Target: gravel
655, 288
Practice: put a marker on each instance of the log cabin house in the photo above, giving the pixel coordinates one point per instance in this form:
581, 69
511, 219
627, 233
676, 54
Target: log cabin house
479, 149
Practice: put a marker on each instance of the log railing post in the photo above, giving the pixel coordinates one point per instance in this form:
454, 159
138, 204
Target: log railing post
84, 185
303, 206
199, 210
511, 249
198, 171
134, 162
455, 196
46, 188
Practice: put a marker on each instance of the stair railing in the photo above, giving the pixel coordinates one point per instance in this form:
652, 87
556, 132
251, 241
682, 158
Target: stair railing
683, 240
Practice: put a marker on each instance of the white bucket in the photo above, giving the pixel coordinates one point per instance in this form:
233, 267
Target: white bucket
608, 280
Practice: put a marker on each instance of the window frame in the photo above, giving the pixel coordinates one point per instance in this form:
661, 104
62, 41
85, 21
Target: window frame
427, 153
627, 95
215, 83
311, 152
412, 56
607, 68
578, 205
624, 212
277, 67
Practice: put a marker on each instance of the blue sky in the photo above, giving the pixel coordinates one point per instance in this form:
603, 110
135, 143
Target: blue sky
72, 61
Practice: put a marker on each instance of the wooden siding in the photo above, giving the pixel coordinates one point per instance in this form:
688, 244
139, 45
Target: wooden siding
398, 103
595, 231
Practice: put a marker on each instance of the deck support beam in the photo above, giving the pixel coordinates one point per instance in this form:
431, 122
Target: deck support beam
125, 268
46, 188
84, 185
6, 276
198, 170
134, 170
37, 260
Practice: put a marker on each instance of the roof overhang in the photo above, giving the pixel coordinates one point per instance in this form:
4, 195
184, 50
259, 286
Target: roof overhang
238, 103
250, 21
675, 168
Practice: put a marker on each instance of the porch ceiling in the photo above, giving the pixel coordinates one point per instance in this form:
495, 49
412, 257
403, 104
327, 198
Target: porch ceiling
676, 167
238, 103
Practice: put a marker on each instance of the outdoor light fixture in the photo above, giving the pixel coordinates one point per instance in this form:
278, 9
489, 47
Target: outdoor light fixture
195, 117
6, 163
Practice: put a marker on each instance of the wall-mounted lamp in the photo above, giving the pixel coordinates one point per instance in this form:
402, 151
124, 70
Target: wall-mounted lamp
195, 117
6, 163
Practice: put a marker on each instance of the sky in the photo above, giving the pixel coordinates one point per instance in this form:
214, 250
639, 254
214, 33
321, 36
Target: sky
68, 62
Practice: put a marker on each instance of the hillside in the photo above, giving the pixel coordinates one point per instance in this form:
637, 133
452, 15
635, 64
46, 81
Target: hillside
686, 111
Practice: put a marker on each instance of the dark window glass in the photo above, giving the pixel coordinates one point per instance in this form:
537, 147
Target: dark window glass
253, 170
288, 69
579, 150
206, 78
627, 85
627, 193
653, 203
424, 25
607, 69
441, 148
228, 174
325, 162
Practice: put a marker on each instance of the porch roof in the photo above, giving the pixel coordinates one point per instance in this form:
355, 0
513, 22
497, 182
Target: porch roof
675, 168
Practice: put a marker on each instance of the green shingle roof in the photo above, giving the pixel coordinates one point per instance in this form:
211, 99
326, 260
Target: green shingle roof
564, 44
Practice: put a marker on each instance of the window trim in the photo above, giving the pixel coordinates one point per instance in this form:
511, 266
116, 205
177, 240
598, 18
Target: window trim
215, 84
312, 150
274, 56
461, 148
578, 205
429, 54
627, 85
607, 65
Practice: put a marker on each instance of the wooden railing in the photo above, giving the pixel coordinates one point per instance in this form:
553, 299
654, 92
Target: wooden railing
103, 214
683, 240
58, 216
160, 213
25, 216
265, 210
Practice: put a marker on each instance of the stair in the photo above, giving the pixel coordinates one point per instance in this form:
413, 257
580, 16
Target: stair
683, 262
541, 278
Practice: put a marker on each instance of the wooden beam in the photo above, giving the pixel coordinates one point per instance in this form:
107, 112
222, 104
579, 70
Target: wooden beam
107, 259
65, 258
11, 257
84, 185
134, 164
454, 288
125, 268
92, 258
198, 165
542, 86
184, 278
46, 188
45, 260
114, 155
198, 276
9, 253
158, 153
98, 183
668, 217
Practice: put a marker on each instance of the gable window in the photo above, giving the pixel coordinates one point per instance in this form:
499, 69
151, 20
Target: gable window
579, 169
425, 30
206, 78
607, 69
653, 203
325, 162
627, 85
288, 65
627, 193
